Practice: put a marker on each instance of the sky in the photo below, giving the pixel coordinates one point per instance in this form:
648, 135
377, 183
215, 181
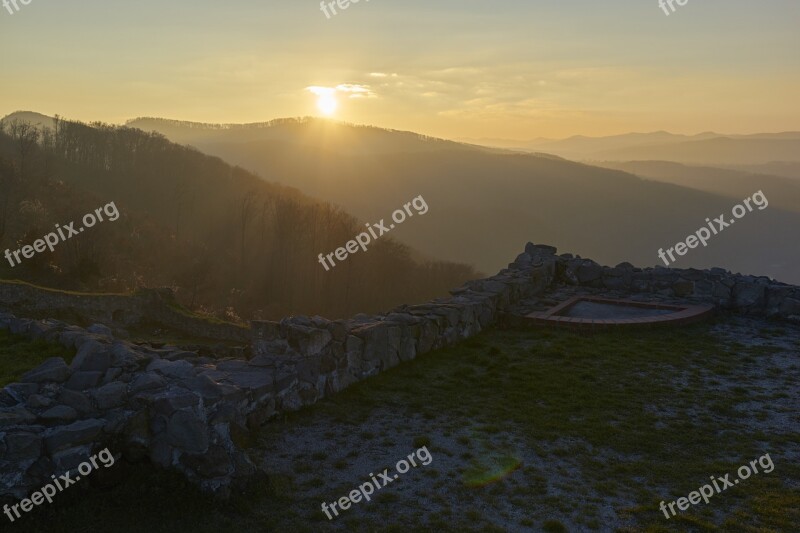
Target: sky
506, 69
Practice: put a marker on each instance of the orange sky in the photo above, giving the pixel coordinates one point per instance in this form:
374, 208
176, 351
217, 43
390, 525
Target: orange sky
453, 68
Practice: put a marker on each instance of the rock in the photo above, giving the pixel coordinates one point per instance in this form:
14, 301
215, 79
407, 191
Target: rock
111, 395
80, 381
308, 368
100, 329
77, 400
259, 381
20, 327
37, 401
206, 387
261, 361
285, 378
124, 356
615, 283
233, 366
408, 348
338, 330
260, 415
21, 391
308, 341
721, 292
92, 356
137, 436
147, 381
179, 355
54, 369
224, 413
683, 288
70, 458
588, 272
749, 295
790, 306
16, 416
266, 330
111, 375
291, 401
166, 404
115, 421
187, 432
354, 348
522, 260
241, 436
22, 446
59, 414
174, 369
535, 250
81, 432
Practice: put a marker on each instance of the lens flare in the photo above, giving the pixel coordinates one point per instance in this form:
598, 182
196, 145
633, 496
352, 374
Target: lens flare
491, 470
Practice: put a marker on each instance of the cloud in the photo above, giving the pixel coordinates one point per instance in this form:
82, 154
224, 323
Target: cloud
356, 91
320, 91
351, 89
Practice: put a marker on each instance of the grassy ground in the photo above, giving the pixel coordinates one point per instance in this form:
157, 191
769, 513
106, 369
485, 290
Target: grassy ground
18, 355
529, 430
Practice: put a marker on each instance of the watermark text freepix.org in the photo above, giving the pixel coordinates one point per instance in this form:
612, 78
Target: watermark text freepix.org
706, 491
8, 3
62, 482
52, 239
664, 3
343, 4
366, 489
363, 239
704, 234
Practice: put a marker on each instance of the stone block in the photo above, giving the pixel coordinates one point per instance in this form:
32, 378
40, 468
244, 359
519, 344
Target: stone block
77, 433
54, 369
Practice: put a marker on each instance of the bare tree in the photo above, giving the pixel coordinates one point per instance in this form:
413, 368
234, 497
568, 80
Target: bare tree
25, 135
8, 186
246, 212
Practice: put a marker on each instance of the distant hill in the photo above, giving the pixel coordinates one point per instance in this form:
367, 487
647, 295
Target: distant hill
735, 151
37, 119
783, 193
339, 137
705, 148
784, 169
483, 203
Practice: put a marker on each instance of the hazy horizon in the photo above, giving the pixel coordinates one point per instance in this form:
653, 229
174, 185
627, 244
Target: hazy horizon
457, 138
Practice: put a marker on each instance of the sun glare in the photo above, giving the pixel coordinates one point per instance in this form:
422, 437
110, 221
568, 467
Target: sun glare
327, 104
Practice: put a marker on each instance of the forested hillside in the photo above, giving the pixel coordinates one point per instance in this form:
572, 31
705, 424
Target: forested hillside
228, 242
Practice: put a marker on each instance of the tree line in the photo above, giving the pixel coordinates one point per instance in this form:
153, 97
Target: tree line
229, 243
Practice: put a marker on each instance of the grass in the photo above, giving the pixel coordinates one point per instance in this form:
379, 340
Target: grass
549, 430
19, 354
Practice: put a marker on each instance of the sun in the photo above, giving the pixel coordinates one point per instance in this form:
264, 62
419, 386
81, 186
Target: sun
327, 104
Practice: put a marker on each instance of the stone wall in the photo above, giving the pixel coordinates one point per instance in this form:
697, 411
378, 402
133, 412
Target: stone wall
750, 295
145, 306
196, 414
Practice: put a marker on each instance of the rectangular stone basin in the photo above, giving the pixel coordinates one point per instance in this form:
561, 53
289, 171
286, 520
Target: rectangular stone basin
593, 312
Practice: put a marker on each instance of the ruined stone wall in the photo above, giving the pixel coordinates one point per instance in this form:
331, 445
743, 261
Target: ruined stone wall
750, 295
197, 414
145, 306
